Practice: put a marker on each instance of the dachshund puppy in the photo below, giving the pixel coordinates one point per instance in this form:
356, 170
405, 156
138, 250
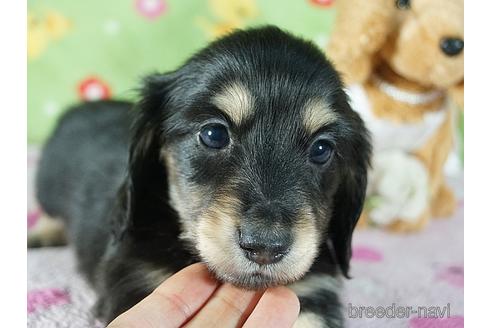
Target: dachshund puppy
248, 158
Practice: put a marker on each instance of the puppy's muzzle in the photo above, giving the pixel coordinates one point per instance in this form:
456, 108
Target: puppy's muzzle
263, 237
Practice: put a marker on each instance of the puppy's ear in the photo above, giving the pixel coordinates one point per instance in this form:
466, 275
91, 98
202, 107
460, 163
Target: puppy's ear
146, 180
349, 198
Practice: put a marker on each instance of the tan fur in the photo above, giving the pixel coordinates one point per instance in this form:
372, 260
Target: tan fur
309, 320
457, 94
388, 108
413, 50
363, 220
178, 193
216, 230
48, 231
317, 114
358, 34
375, 39
236, 101
443, 202
215, 236
434, 155
367, 32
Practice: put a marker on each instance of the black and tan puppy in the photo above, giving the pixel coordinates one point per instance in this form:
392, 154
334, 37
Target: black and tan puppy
248, 158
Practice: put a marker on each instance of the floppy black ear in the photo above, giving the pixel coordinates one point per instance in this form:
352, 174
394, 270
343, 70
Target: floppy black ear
146, 182
349, 198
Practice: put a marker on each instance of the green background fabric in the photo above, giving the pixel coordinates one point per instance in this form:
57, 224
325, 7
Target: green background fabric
76, 46
114, 43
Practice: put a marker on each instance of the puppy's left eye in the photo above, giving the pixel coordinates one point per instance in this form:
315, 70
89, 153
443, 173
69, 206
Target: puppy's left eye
320, 152
214, 136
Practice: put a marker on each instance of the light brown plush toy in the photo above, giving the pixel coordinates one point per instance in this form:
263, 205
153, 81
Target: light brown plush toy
403, 61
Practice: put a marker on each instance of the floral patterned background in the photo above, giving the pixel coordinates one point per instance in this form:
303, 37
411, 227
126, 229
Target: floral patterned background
91, 49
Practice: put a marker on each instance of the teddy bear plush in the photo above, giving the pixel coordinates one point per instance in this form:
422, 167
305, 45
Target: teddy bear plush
402, 62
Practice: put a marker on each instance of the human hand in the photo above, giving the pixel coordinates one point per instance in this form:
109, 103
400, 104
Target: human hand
193, 298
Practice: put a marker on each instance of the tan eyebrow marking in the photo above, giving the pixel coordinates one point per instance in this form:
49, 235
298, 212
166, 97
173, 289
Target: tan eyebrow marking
236, 101
317, 113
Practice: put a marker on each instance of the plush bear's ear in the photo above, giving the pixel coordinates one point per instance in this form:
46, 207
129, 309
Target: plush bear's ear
146, 180
350, 195
361, 28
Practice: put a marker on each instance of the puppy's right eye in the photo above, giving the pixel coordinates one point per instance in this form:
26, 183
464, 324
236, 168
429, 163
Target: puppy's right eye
214, 136
402, 4
320, 152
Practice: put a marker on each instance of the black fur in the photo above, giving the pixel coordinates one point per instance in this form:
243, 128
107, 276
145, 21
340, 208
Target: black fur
326, 305
111, 184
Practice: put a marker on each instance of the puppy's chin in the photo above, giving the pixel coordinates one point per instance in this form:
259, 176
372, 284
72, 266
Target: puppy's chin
260, 279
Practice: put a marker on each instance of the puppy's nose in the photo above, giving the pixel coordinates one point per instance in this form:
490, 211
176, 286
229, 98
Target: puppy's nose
264, 248
452, 46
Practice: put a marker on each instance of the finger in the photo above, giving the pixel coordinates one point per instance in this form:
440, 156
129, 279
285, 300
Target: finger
229, 306
172, 303
278, 307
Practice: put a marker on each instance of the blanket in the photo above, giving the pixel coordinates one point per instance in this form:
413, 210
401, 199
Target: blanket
397, 280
